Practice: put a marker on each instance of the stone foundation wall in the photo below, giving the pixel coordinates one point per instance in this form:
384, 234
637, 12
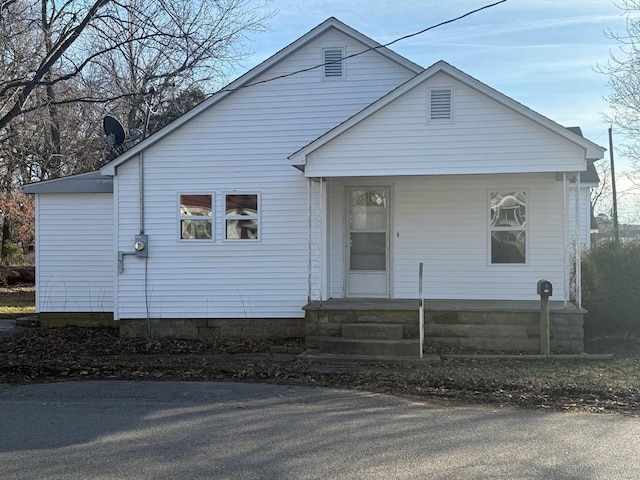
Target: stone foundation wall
78, 319
195, 328
192, 328
503, 331
486, 331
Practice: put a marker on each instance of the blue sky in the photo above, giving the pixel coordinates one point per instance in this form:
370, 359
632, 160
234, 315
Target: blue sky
542, 53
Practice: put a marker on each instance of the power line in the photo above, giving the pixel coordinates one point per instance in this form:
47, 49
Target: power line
368, 49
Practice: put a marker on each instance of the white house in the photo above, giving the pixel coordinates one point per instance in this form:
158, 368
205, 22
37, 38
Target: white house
329, 171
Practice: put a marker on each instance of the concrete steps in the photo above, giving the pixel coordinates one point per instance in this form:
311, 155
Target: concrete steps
380, 331
369, 346
370, 339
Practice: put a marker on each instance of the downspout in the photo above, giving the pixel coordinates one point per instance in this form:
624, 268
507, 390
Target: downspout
141, 242
141, 188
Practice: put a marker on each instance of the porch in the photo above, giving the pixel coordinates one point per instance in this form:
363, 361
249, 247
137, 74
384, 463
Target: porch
390, 327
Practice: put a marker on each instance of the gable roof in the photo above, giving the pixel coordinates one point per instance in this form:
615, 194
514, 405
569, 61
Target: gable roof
246, 79
592, 151
92, 182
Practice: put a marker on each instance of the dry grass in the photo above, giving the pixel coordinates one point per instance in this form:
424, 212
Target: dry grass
17, 301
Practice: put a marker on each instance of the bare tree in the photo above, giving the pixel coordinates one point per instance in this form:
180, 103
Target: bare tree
138, 41
180, 46
601, 195
22, 19
623, 70
63, 64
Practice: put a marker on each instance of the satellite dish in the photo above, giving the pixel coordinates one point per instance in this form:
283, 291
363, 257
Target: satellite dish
114, 131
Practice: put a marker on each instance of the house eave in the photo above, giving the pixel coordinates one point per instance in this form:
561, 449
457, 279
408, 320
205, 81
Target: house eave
92, 182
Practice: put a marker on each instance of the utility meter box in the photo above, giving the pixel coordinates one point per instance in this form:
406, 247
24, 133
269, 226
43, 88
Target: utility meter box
545, 289
141, 245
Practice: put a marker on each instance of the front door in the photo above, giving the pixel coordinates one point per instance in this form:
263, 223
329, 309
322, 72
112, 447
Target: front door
367, 241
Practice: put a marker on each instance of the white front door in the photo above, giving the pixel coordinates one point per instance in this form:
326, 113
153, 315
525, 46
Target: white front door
367, 241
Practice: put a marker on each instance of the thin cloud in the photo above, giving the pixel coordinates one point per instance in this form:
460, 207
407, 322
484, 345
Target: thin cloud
511, 27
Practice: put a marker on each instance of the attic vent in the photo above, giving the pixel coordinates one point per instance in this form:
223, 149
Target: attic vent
441, 104
333, 62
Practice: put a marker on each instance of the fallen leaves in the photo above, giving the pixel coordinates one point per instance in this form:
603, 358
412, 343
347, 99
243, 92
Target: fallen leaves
39, 355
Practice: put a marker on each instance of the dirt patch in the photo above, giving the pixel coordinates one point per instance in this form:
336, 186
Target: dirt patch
40, 355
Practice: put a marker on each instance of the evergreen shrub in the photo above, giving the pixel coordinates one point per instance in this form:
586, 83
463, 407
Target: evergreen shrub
611, 289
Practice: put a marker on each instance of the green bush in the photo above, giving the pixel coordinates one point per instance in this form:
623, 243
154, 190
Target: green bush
611, 289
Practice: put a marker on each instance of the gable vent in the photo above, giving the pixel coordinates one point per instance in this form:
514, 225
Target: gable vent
440, 104
333, 63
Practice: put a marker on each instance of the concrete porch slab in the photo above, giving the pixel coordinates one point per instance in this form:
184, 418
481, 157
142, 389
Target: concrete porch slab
413, 304
331, 358
505, 356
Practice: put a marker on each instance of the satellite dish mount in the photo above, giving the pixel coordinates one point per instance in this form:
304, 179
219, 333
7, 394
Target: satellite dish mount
114, 133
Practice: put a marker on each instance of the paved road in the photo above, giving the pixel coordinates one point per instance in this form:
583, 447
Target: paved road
8, 326
147, 430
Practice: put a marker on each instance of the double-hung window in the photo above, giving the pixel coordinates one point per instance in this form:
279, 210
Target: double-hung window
242, 216
196, 217
508, 227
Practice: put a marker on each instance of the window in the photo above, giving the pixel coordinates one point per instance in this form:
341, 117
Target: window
241, 216
333, 63
508, 220
196, 220
440, 104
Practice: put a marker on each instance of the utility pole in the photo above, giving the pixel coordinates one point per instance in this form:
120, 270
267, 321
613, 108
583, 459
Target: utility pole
616, 231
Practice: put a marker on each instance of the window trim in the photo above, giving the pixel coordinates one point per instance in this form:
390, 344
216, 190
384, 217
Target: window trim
226, 217
525, 229
210, 218
342, 75
452, 116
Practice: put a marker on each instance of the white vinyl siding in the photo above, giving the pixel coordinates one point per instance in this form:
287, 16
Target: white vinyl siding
442, 222
487, 137
241, 144
74, 253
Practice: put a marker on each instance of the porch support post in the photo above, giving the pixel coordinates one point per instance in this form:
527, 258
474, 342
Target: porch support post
309, 223
578, 250
565, 226
316, 238
323, 237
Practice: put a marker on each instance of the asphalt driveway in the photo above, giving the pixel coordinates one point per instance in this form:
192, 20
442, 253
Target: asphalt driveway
185, 430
